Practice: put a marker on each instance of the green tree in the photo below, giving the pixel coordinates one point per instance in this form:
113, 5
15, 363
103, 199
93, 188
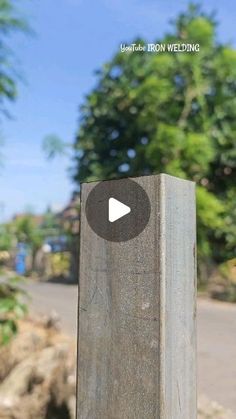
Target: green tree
172, 113
26, 230
5, 237
53, 146
12, 307
10, 21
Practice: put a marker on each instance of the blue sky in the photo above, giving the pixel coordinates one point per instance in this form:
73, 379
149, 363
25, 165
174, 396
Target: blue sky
72, 39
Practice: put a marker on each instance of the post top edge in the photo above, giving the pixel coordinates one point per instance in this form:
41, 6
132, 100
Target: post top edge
157, 175
175, 178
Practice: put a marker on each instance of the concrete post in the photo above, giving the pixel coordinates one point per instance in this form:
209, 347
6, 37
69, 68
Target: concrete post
137, 310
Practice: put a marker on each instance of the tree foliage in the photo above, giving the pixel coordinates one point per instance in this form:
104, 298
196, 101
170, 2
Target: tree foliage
26, 230
5, 237
172, 113
12, 308
53, 146
10, 21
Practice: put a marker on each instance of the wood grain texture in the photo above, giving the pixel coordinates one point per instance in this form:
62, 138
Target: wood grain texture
137, 348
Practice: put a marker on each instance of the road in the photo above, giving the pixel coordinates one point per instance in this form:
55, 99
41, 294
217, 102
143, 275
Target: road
46, 298
217, 351
216, 337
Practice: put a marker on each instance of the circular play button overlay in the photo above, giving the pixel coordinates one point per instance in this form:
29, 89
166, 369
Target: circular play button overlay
118, 210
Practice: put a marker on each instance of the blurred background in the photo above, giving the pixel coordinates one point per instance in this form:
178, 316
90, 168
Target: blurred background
74, 108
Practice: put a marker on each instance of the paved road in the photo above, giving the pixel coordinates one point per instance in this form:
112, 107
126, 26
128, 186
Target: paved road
217, 351
47, 298
216, 337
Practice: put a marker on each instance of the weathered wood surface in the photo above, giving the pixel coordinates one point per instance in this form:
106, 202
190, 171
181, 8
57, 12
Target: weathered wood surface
137, 348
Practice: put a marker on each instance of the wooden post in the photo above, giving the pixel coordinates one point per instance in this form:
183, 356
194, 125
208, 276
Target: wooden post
137, 310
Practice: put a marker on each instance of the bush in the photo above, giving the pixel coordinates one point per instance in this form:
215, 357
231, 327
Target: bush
12, 308
223, 282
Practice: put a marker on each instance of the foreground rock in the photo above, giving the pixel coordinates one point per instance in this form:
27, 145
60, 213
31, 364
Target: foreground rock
37, 374
212, 410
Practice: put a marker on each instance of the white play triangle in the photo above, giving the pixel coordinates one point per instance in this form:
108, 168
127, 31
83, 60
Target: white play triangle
117, 209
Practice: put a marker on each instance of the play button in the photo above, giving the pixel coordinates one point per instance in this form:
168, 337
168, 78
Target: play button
117, 210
